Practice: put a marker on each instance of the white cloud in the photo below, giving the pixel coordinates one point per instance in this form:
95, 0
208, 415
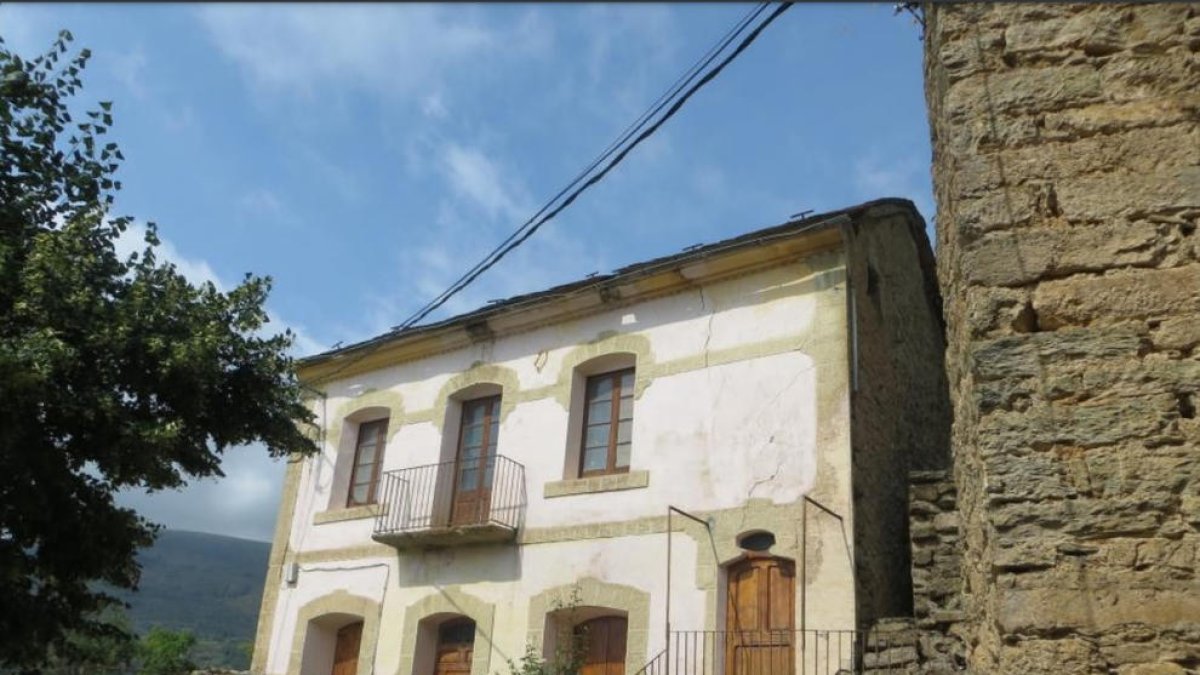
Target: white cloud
343, 181
127, 68
388, 49
261, 200
262, 203
474, 176
434, 106
628, 49
243, 504
199, 271
905, 177
22, 31
179, 121
459, 241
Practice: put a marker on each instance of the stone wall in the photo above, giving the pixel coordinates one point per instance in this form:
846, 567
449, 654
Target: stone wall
900, 408
1067, 177
936, 571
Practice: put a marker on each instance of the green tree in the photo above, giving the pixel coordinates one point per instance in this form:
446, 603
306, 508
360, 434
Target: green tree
110, 653
165, 652
115, 371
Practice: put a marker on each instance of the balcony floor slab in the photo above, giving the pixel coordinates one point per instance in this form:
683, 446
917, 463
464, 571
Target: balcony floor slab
446, 537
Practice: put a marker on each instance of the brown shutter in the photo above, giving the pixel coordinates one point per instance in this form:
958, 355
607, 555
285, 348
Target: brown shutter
345, 653
604, 645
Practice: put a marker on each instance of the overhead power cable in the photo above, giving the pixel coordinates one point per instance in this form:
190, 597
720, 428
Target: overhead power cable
528, 232
550, 210
622, 138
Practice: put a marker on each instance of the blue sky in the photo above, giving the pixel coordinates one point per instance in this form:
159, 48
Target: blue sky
365, 155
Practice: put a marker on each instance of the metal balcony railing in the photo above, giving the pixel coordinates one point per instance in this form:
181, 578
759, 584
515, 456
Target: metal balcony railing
789, 652
481, 493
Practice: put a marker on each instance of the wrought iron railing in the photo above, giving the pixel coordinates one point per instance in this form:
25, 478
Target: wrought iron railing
791, 652
459, 493
655, 665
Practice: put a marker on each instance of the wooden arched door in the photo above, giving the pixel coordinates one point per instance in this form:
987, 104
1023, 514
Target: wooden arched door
760, 617
345, 650
455, 647
604, 645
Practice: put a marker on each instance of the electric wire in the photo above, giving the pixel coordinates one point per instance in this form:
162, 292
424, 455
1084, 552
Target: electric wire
599, 176
522, 234
654, 108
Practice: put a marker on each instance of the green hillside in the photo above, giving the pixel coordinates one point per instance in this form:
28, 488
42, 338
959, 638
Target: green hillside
206, 583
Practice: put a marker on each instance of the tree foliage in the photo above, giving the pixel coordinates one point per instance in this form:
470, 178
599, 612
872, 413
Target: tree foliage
110, 653
166, 652
115, 371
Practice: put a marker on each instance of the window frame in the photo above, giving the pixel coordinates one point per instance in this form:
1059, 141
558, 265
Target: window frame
610, 467
491, 417
376, 467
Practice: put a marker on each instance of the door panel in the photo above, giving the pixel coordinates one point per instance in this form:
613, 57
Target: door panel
345, 653
476, 461
760, 617
604, 645
456, 647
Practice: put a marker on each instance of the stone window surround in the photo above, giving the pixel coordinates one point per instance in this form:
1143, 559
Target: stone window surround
449, 601
608, 483
592, 592
494, 380
348, 513
368, 407
338, 602
576, 377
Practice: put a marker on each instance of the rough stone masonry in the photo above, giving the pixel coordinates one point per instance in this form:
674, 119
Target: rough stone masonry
1067, 175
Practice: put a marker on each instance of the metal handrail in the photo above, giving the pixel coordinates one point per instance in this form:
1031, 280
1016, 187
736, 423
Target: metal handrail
783, 652
457, 493
654, 666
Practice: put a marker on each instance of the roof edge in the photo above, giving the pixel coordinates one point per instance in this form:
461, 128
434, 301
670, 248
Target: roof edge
799, 227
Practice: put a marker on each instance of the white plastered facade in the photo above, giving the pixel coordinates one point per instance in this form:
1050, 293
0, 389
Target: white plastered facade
742, 410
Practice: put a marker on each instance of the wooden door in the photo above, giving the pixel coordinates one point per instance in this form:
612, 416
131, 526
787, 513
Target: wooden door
345, 652
604, 645
760, 617
455, 648
476, 461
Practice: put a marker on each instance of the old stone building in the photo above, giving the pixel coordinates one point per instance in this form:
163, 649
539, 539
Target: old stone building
505, 477
1067, 176
1065, 537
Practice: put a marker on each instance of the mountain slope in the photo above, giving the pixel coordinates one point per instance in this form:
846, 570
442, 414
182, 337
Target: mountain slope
206, 583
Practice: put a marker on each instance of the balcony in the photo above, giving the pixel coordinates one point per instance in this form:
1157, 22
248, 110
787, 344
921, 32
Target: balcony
456, 503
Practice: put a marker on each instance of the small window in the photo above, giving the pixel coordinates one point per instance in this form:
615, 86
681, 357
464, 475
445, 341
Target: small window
607, 423
368, 458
